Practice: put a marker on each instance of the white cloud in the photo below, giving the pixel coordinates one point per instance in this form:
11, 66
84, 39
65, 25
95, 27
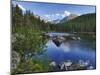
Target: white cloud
20, 6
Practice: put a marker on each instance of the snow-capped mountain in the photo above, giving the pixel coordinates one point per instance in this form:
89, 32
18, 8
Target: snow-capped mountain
67, 18
56, 21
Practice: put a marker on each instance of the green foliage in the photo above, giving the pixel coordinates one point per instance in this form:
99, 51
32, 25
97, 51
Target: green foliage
36, 65
32, 66
83, 23
28, 43
27, 39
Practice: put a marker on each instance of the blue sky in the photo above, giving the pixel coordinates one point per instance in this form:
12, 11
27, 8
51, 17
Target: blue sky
52, 11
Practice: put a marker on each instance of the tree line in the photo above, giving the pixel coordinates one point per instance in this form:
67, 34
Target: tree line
28, 19
83, 23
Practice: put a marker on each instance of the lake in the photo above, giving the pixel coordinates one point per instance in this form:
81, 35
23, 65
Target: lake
76, 49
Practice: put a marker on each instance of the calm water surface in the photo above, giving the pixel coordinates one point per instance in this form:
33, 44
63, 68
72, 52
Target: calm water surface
74, 50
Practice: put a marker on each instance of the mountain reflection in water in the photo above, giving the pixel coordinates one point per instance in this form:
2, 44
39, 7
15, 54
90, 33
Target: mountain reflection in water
74, 50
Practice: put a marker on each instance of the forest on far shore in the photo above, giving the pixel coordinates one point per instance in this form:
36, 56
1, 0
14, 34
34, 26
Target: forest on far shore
83, 23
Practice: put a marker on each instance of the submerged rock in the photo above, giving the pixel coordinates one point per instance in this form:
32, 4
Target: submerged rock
90, 67
70, 66
76, 67
83, 63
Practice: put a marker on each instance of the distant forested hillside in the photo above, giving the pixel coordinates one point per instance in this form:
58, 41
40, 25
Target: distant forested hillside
83, 23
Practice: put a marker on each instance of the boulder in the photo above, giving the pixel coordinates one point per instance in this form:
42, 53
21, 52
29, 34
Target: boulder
65, 65
58, 40
53, 63
15, 59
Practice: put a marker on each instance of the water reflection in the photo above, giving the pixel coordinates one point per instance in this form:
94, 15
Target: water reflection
70, 50
65, 47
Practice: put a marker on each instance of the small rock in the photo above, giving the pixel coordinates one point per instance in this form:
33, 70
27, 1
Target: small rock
90, 67
65, 65
53, 63
14, 60
69, 63
74, 38
82, 63
78, 38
